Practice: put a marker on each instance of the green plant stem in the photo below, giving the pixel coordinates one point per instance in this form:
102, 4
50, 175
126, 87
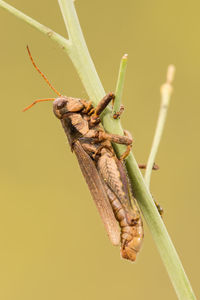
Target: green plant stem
166, 90
80, 55
93, 86
120, 84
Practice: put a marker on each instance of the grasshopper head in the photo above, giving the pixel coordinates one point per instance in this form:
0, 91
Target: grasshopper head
66, 105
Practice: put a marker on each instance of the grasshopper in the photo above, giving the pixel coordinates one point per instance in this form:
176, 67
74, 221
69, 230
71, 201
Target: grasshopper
104, 173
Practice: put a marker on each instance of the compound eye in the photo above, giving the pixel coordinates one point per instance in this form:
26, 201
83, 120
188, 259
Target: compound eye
61, 104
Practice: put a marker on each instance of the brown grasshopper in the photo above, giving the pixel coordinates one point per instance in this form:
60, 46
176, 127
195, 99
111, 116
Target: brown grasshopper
105, 174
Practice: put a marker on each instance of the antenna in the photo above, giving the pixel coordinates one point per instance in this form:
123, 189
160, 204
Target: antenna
36, 101
47, 81
45, 78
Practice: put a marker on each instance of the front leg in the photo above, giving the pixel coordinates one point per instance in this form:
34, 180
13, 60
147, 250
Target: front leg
103, 103
100, 108
95, 113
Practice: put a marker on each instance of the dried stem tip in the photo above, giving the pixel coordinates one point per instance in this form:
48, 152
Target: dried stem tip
170, 73
166, 88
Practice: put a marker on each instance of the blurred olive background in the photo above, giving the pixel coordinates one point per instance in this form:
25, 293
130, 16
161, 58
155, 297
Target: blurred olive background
52, 242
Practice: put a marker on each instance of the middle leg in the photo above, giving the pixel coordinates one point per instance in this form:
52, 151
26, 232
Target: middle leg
125, 139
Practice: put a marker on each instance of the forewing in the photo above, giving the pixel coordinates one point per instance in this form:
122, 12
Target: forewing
114, 175
97, 189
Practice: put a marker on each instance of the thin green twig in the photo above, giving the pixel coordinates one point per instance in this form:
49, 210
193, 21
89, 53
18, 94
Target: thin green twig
120, 84
86, 70
42, 28
166, 90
